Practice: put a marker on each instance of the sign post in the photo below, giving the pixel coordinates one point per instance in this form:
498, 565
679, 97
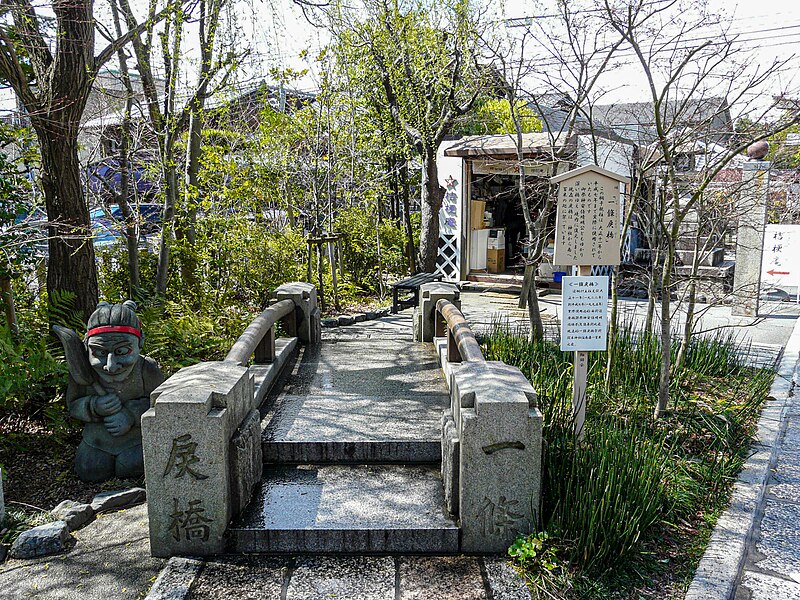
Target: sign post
588, 229
779, 265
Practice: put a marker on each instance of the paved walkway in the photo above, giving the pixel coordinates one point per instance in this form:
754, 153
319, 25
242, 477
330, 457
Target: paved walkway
359, 578
765, 336
110, 561
772, 562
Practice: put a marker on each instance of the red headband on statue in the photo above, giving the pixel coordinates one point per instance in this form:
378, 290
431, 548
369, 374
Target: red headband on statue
114, 329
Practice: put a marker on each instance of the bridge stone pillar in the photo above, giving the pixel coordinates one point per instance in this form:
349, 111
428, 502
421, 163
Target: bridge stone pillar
304, 296
491, 454
202, 457
425, 313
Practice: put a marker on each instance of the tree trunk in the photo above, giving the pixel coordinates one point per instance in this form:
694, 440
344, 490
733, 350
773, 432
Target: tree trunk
688, 326
70, 263
170, 197
8, 304
666, 331
534, 314
411, 252
124, 196
432, 198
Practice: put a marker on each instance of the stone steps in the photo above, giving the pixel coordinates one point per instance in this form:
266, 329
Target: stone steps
351, 509
353, 428
352, 453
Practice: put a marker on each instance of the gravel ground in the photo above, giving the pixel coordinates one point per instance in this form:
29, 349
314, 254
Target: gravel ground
37, 465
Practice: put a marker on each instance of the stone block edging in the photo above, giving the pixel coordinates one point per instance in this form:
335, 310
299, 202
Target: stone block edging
719, 570
176, 579
344, 320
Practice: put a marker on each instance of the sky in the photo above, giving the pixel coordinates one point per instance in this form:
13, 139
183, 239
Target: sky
282, 38
766, 35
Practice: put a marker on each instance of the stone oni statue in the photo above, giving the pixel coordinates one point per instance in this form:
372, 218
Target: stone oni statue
109, 389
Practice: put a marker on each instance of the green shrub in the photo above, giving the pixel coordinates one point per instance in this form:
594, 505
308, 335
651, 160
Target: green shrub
32, 379
363, 263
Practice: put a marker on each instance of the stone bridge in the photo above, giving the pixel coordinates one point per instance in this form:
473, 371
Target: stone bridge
392, 436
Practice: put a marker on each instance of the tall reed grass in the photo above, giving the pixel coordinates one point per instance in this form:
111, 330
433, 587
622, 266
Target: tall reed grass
632, 474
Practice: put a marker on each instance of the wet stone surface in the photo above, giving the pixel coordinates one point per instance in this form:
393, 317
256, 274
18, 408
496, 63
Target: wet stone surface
441, 577
242, 577
319, 577
361, 508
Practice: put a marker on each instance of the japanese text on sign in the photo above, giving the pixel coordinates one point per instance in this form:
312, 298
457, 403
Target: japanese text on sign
584, 319
588, 221
779, 265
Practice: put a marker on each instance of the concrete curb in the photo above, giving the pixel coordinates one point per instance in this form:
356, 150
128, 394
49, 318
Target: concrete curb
718, 573
176, 579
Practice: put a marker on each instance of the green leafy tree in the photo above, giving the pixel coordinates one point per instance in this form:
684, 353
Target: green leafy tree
423, 57
494, 116
52, 75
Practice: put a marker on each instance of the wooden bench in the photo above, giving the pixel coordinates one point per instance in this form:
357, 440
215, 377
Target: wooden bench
410, 285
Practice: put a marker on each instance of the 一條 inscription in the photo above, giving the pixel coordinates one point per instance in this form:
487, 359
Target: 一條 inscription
498, 518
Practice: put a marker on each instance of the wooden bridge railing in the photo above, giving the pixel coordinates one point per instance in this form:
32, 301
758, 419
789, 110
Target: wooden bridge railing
461, 342
259, 337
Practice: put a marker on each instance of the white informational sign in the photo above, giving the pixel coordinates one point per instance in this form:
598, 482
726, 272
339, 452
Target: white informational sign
780, 263
793, 139
584, 316
588, 217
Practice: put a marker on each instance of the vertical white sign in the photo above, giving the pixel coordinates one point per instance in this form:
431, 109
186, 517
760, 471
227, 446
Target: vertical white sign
584, 313
780, 263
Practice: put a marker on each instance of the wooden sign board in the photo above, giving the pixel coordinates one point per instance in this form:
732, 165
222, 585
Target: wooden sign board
588, 217
584, 316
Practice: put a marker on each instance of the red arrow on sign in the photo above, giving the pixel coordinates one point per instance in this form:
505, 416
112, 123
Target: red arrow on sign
771, 272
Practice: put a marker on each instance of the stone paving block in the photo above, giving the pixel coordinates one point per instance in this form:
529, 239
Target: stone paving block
441, 577
363, 509
353, 428
779, 543
176, 579
791, 440
43, 540
107, 501
323, 578
504, 581
785, 478
766, 587
74, 514
241, 577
